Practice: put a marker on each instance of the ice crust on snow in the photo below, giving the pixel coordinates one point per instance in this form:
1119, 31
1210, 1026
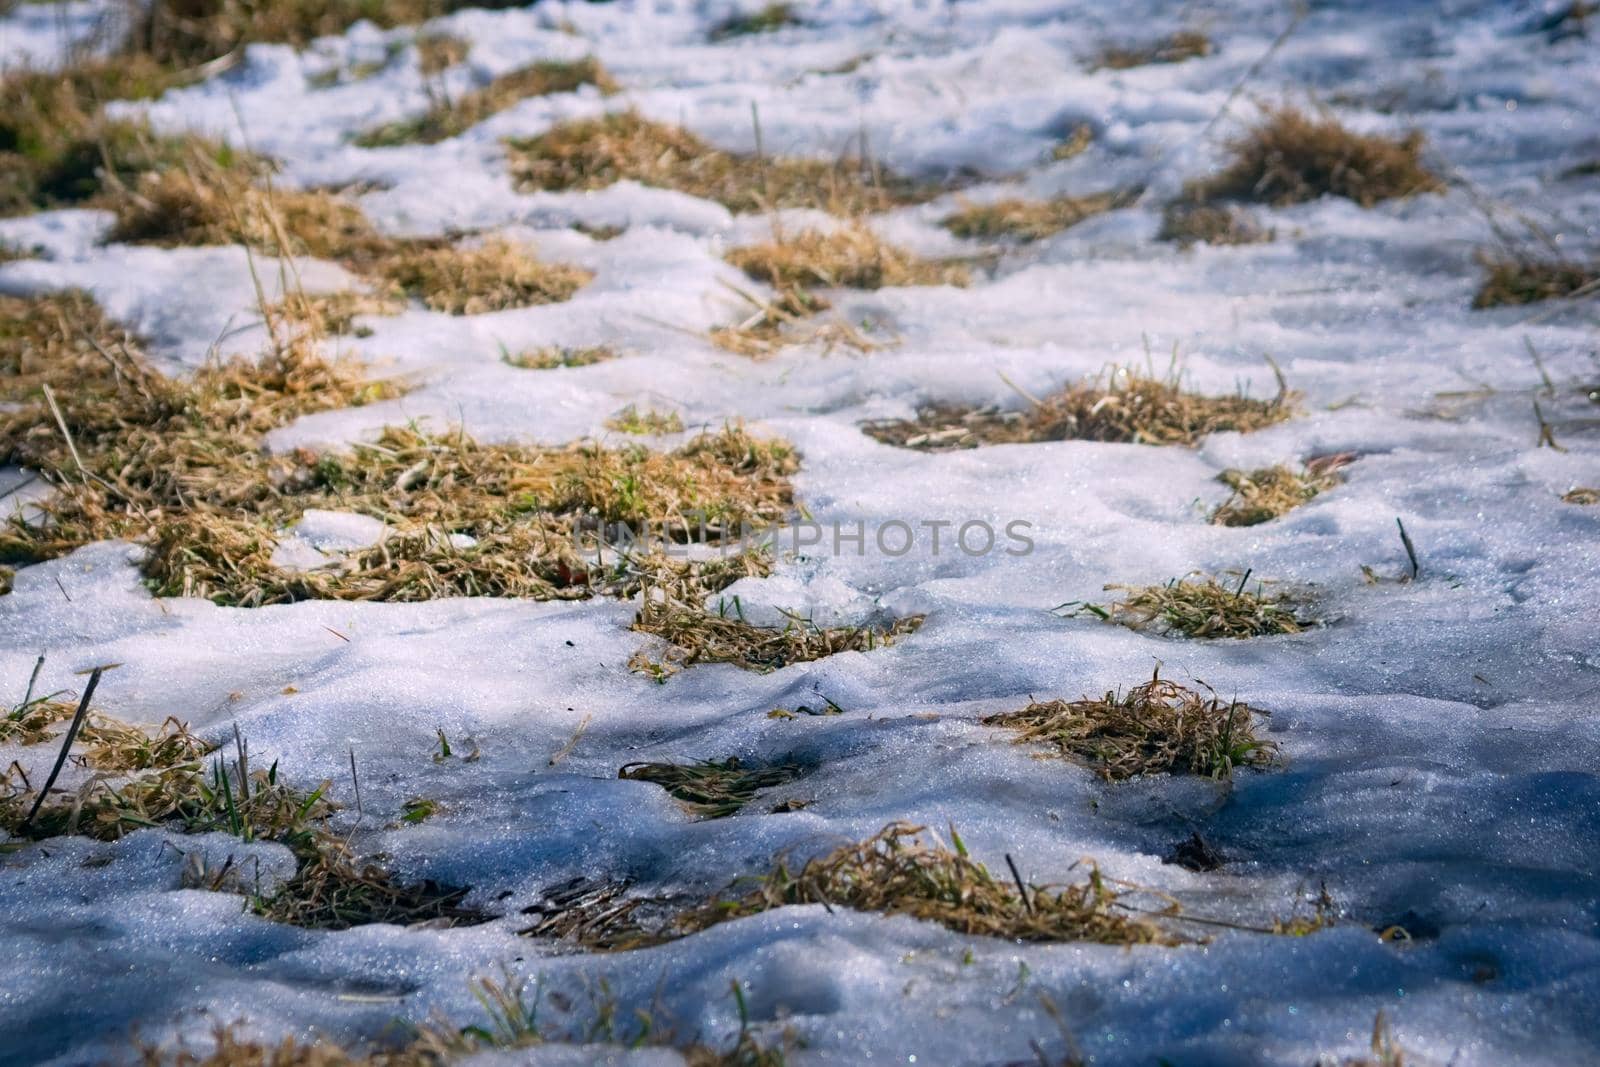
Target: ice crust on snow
1440, 738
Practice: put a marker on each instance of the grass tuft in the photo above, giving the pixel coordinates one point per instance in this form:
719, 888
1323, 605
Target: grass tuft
769, 19
1159, 727
494, 276
1291, 157
1200, 606
712, 789
1030, 220
624, 146
450, 118
1582, 495
1130, 408
850, 257
631, 420
701, 636
1270, 492
897, 872
438, 52
1511, 281
1180, 46
552, 357
1189, 223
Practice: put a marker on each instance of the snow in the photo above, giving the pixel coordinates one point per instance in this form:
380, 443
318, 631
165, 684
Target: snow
1441, 737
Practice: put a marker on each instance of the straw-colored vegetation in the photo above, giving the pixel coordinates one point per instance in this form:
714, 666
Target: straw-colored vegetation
1271, 492
1030, 220
1186, 44
449, 118
768, 19
1201, 606
1122, 406
905, 870
1159, 727
631, 420
179, 465
204, 203
1582, 495
713, 789
1187, 223
517, 1015
438, 52
553, 357
1512, 280
161, 778
624, 146
849, 257
701, 636
791, 316
1291, 157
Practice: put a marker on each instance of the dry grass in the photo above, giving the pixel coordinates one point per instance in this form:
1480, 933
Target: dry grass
333, 314
185, 33
898, 872
631, 420
850, 257
1185, 44
1582, 495
788, 318
438, 52
701, 636
768, 19
179, 466
205, 203
712, 789
333, 890
494, 276
595, 153
552, 357
1030, 220
1511, 280
57, 150
450, 118
1159, 727
1271, 492
1131, 408
1200, 606
1291, 157
1188, 223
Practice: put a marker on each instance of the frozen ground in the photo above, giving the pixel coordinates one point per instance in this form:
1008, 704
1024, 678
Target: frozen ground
1441, 738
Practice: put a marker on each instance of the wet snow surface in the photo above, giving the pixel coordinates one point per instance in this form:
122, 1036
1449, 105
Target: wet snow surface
1441, 738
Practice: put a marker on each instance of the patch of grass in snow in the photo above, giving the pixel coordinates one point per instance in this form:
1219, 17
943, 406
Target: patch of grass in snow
723, 636
1582, 495
450, 118
1187, 222
183, 33
1291, 157
631, 420
438, 52
1180, 46
713, 789
768, 19
1031, 220
204, 203
789, 317
333, 889
179, 465
516, 1015
1159, 727
850, 257
905, 870
624, 146
1385, 1050
1271, 492
1201, 606
552, 357
1511, 280
1122, 405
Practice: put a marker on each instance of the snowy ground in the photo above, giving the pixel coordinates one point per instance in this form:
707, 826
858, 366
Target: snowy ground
1441, 737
